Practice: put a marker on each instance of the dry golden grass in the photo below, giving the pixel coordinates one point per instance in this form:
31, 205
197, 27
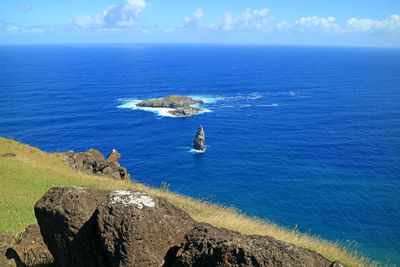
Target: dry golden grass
24, 178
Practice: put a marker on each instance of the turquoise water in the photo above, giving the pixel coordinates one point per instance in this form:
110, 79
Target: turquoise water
305, 136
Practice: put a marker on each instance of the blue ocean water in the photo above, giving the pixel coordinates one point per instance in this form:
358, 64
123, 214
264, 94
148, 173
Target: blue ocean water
306, 136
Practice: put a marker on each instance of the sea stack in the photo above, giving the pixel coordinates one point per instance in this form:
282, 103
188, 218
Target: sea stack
200, 139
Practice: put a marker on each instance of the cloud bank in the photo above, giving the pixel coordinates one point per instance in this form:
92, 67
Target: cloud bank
115, 16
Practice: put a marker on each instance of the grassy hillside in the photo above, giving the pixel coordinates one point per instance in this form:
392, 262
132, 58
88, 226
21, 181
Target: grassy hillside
26, 177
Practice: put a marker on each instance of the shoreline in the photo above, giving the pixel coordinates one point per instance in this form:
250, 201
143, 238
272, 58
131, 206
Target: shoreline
32, 159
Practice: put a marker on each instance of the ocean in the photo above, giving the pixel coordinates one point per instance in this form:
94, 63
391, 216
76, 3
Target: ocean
306, 136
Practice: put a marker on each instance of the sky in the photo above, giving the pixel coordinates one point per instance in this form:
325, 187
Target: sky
369, 23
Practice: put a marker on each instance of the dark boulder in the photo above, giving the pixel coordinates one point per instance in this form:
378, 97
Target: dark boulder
8, 155
92, 161
206, 245
90, 227
138, 230
86, 161
199, 140
66, 221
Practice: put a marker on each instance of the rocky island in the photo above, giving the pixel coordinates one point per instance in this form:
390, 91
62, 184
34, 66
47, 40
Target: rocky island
200, 139
181, 105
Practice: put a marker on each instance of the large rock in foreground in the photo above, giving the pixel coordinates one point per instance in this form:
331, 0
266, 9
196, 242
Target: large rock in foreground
206, 245
66, 221
138, 230
92, 161
90, 227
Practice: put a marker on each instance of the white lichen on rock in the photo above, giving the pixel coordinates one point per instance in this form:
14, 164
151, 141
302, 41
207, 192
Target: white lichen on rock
126, 197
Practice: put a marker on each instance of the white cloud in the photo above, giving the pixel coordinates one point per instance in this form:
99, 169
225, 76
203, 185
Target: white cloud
195, 20
114, 16
260, 20
249, 20
18, 29
88, 21
311, 24
390, 25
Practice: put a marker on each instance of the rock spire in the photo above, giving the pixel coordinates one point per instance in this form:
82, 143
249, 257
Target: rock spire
200, 139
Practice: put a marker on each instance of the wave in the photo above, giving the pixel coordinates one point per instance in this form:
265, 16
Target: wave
268, 105
198, 151
208, 99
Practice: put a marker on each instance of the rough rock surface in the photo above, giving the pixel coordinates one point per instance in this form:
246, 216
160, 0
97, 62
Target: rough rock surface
114, 156
93, 162
90, 227
200, 139
30, 249
66, 221
185, 112
6, 258
8, 155
172, 101
138, 230
206, 245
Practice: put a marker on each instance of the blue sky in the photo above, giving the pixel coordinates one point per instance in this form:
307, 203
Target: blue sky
288, 22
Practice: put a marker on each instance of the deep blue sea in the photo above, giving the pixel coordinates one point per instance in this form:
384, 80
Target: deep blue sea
306, 136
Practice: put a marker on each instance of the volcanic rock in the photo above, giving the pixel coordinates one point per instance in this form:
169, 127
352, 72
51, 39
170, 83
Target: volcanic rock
68, 226
31, 247
8, 155
8, 259
138, 230
206, 245
29, 250
92, 161
90, 227
114, 156
185, 112
199, 140
172, 101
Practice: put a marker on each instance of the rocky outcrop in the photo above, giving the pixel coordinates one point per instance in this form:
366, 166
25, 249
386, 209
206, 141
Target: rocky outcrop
114, 156
8, 259
181, 105
28, 250
92, 161
199, 140
172, 101
185, 112
31, 248
206, 245
91, 227
8, 155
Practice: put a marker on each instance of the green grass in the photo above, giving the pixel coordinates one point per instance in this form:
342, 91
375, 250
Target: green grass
26, 177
